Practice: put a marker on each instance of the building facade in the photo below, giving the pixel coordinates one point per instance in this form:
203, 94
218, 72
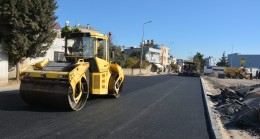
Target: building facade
164, 57
172, 59
54, 53
180, 62
152, 55
3, 67
210, 61
243, 60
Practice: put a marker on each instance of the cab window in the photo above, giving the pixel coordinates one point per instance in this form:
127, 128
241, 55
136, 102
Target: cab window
88, 47
102, 49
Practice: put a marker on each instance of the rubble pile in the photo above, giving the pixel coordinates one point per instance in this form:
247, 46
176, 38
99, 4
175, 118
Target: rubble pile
237, 108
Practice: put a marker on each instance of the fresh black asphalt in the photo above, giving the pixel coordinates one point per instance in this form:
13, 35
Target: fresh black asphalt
163, 106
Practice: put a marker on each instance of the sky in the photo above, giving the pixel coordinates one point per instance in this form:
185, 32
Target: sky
210, 27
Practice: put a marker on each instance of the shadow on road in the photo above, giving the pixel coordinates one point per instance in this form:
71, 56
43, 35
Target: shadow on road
12, 101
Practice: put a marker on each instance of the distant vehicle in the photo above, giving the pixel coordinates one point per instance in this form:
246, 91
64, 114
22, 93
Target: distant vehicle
253, 71
214, 70
238, 72
189, 69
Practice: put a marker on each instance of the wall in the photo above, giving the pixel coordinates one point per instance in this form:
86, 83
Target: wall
129, 71
3, 67
57, 46
251, 61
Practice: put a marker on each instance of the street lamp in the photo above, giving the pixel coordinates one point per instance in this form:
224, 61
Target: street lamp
142, 45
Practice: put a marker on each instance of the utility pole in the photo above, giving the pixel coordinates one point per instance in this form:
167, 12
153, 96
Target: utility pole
142, 47
231, 61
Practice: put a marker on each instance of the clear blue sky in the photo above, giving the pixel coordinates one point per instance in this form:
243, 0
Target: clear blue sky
186, 26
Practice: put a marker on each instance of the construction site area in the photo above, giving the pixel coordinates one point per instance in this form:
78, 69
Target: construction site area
233, 106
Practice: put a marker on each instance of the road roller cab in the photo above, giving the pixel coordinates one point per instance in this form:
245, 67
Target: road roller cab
67, 84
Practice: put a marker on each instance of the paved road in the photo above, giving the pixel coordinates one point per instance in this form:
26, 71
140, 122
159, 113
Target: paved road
164, 106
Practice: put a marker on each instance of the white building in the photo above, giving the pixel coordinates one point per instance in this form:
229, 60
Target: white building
210, 61
152, 55
3, 67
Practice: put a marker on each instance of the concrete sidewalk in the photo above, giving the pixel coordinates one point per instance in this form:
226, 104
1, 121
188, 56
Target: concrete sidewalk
12, 85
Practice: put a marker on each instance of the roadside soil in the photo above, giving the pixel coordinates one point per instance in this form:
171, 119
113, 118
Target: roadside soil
212, 86
12, 85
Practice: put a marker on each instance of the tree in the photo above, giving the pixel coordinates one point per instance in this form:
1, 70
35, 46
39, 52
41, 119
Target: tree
66, 30
119, 56
132, 62
199, 60
174, 67
223, 61
30, 23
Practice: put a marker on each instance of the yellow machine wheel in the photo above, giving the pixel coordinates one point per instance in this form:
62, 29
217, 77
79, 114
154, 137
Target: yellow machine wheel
78, 100
117, 86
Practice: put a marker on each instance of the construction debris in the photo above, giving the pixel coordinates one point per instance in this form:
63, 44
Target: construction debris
238, 109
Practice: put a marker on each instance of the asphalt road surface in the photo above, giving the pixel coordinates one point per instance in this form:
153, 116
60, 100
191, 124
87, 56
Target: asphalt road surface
163, 106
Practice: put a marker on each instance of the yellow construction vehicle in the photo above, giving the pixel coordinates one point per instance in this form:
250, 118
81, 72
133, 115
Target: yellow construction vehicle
68, 84
237, 73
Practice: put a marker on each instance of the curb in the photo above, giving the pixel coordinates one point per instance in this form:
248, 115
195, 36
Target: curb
210, 115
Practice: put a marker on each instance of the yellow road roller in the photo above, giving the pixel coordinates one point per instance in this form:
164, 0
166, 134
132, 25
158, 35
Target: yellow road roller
67, 84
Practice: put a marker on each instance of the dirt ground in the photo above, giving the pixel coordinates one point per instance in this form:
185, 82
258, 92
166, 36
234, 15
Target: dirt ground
212, 86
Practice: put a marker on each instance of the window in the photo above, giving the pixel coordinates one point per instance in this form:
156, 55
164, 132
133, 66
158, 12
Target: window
74, 46
88, 47
102, 49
